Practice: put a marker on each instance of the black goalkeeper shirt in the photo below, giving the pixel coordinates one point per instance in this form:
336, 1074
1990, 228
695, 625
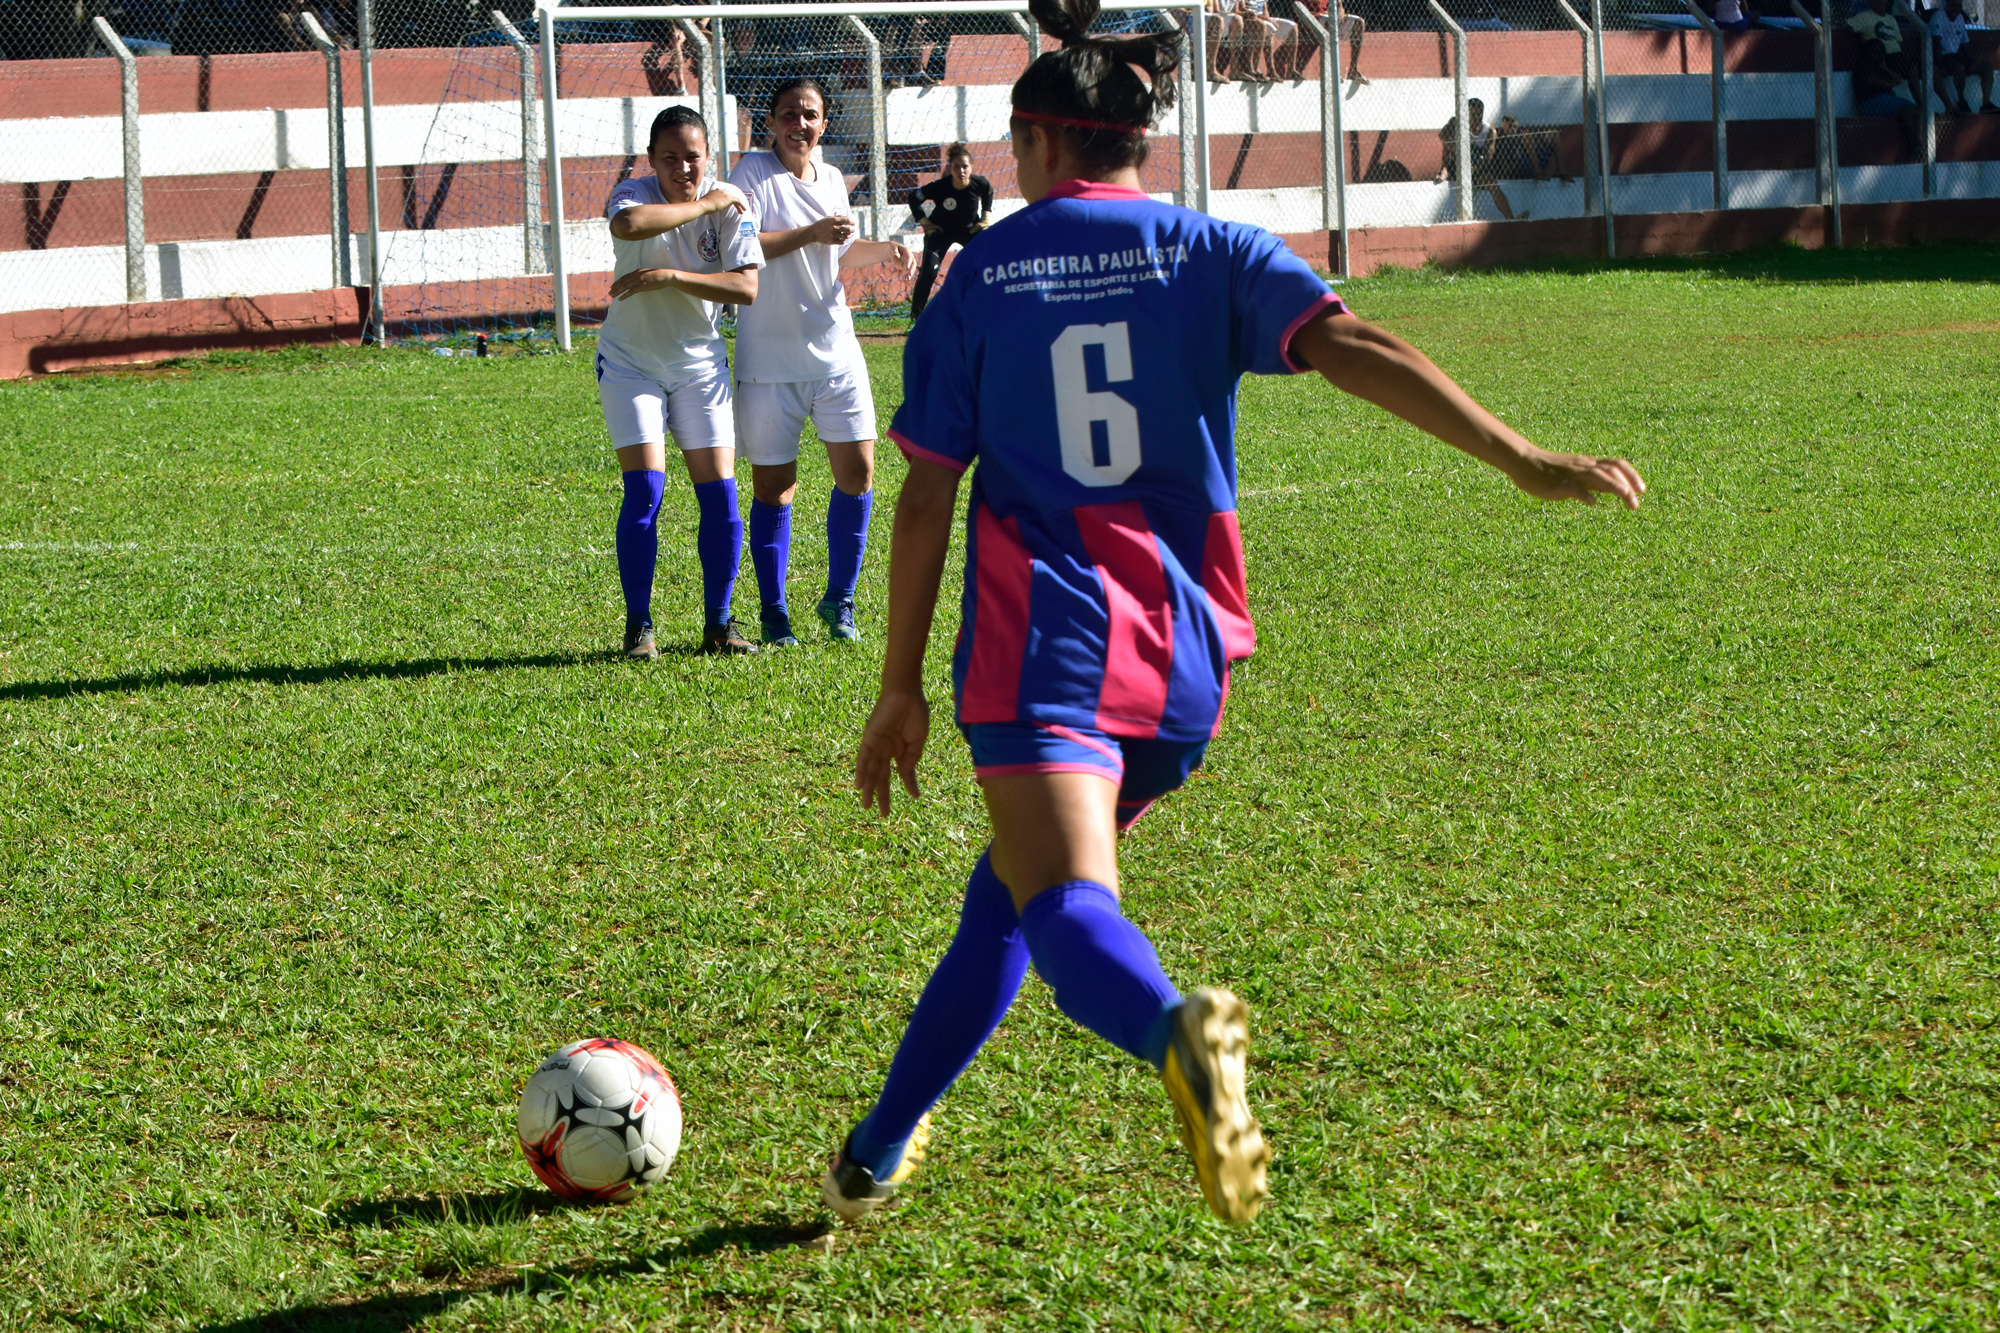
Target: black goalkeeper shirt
954, 211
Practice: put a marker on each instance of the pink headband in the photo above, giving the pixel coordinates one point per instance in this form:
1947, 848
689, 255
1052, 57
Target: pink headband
1043, 118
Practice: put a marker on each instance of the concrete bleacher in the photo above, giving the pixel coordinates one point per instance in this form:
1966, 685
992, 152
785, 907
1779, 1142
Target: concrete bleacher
235, 150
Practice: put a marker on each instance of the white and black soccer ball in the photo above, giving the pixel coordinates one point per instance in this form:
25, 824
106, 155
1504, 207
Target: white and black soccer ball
599, 1121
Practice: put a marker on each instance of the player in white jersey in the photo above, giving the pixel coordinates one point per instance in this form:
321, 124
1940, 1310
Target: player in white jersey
682, 247
796, 356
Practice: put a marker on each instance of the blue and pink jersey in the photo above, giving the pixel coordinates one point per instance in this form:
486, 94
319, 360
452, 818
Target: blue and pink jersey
1086, 354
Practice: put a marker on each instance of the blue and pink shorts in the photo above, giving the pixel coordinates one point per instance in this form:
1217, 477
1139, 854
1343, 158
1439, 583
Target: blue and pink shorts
1145, 770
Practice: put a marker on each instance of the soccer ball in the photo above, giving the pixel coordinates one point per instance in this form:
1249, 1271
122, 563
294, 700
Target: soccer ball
599, 1121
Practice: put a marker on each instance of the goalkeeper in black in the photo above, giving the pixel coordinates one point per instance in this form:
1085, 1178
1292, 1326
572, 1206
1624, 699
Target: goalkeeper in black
952, 210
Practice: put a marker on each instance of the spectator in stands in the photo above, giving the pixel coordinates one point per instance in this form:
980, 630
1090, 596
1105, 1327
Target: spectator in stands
952, 210
1484, 165
1263, 37
1880, 89
1224, 28
1877, 26
1952, 63
1344, 25
1734, 16
1521, 152
229, 27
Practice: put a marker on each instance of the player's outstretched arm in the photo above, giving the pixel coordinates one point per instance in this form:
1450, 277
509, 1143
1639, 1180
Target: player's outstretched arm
867, 254
736, 287
646, 220
901, 721
1376, 365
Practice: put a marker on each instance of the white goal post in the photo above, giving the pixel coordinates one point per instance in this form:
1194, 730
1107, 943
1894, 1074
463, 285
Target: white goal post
1194, 150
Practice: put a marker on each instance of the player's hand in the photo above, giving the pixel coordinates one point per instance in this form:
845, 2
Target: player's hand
909, 258
643, 280
975, 229
927, 227
1551, 476
895, 735
725, 195
833, 230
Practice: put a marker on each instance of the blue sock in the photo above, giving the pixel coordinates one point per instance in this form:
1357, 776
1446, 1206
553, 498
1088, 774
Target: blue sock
1103, 968
962, 1003
719, 540
770, 550
638, 543
846, 541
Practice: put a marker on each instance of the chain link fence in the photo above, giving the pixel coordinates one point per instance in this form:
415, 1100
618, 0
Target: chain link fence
188, 148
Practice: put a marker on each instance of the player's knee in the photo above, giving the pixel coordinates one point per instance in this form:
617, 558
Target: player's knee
774, 484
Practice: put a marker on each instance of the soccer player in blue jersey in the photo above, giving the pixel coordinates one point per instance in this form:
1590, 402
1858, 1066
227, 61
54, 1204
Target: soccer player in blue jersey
1087, 359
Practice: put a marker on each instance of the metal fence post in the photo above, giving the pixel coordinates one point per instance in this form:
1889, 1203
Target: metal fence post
878, 130
1464, 112
135, 180
710, 103
553, 141
1593, 165
1827, 160
534, 240
1716, 112
725, 130
366, 24
1198, 58
336, 150
1603, 125
1332, 161
1930, 116
1031, 30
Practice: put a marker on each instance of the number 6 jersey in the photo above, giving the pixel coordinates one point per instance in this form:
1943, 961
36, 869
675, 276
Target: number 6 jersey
1085, 353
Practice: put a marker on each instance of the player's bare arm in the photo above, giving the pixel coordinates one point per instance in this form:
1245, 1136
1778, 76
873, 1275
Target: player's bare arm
737, 287
901, 720
1376, 365
833, 230
647, 220
867, 254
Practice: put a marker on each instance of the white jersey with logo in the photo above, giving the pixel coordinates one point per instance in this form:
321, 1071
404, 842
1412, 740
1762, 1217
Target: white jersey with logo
800, 327
670, 336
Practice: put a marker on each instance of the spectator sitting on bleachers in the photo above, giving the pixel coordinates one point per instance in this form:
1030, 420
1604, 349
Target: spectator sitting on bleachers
1881, 90
1222, 24
1524, 153
1878, 26
1485, 167
1952, 63
1734, 16
1263, 37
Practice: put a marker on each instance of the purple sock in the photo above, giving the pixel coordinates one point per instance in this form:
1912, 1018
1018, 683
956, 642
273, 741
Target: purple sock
719, 540
770, 549
962, 1003
1103, 968
846, 541
637, 539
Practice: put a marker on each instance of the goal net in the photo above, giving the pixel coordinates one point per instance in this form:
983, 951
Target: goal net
467, 243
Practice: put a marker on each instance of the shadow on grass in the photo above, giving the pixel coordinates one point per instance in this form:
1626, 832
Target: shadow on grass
135, 681
393, 1312
496, 1208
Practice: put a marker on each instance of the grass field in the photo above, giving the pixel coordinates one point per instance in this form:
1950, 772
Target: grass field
1616, 893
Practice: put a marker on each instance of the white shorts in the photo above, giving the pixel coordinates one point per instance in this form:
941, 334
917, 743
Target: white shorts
1284, 29
769, 417
640, 410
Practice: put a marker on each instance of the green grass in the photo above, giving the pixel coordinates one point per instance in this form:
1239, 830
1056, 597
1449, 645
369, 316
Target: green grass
1616, 893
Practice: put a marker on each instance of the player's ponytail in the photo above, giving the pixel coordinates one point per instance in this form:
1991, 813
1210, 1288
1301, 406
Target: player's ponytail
1100, 93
